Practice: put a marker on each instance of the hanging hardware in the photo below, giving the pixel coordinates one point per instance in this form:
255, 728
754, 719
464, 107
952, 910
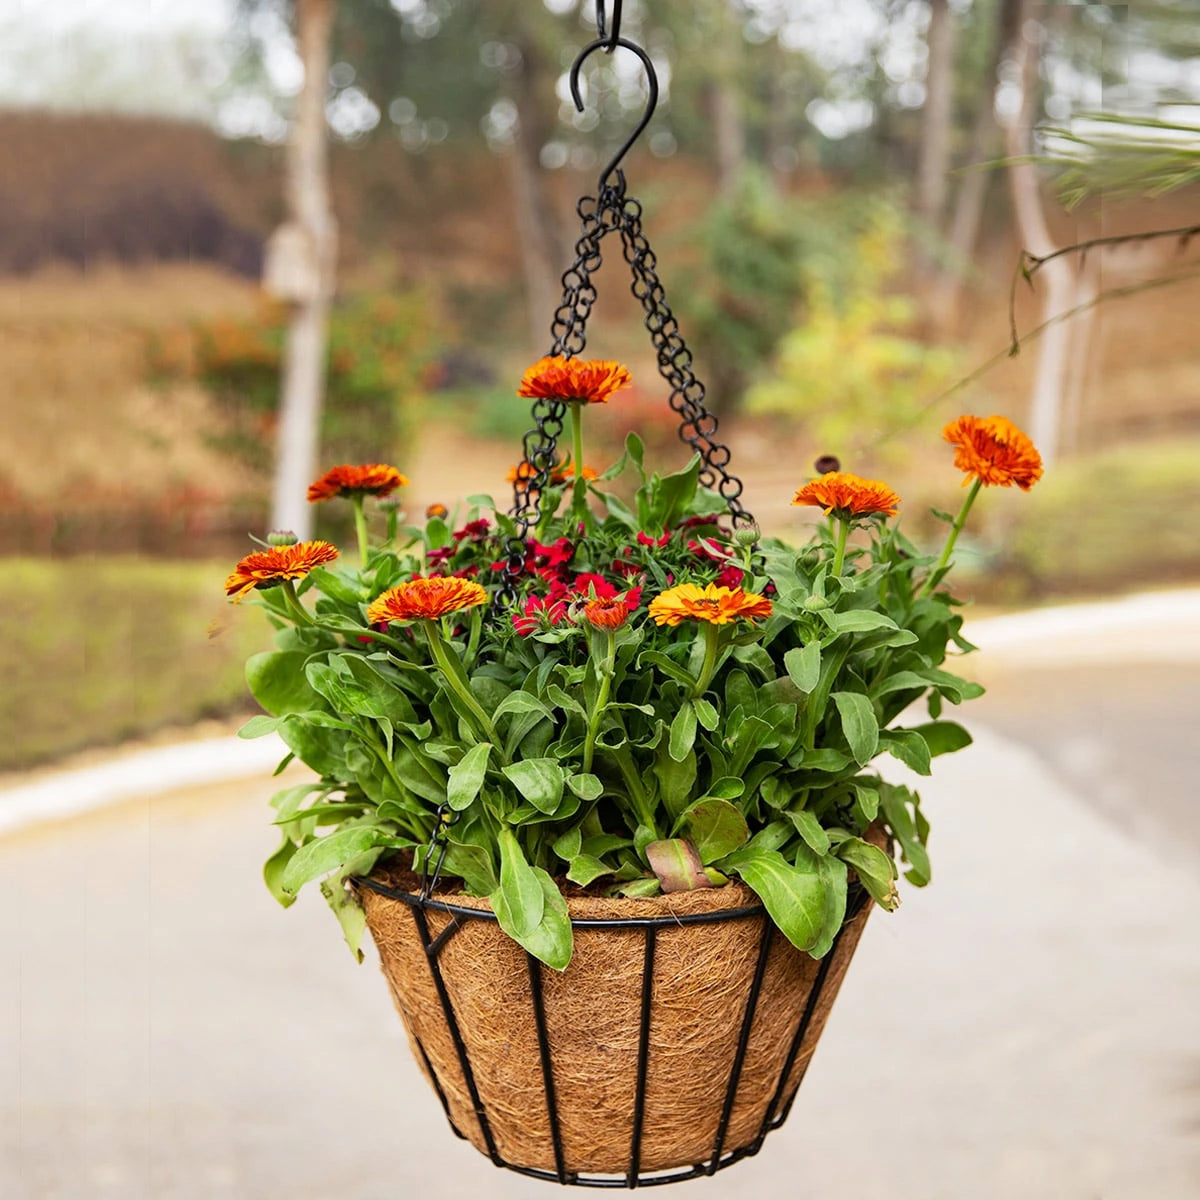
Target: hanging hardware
615, 36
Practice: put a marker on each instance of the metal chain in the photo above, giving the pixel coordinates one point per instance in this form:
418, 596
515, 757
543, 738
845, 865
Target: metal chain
612, 211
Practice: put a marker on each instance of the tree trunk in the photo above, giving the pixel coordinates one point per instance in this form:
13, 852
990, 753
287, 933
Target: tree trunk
314, 235
725, 100
933, 162
1055, 279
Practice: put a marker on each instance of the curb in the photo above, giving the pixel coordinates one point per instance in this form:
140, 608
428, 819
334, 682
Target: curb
1079, 633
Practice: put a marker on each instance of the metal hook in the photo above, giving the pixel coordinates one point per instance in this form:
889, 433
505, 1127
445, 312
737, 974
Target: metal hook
615, 36
609, 44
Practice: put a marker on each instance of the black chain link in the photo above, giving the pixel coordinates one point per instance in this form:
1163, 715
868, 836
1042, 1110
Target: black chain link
612, 212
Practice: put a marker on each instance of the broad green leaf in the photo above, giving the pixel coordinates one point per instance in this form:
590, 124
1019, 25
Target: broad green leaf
585, 869
322, 855
277, 681
943, 737
803, 666
868, 801
810, 829
895, 808
727, 788
519, 901
465, 778
569, 844
675, 780
522, 702
539, 780
858, 724
585, 786
550, 940
794, 898
273, 870
833, 875
668, 666
857, 620
706, 714
909, 747
473, 865
345, 904
717, 828
873, 867
683, 732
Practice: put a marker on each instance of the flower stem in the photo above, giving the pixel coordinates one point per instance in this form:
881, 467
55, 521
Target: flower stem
454, 678
606, 674
579, 493
839, 556
393, 524
298, 611
360, 526
955, 530
712, 640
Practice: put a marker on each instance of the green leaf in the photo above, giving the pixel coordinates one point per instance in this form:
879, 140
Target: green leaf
726, 788
667, 665
345, 904
322, 855
834, 878
568, 845
858, 724
803, 666
795, 898
909, 747
873, 867
895, 809
465, 778
857, 620
277, 681
683, 732
551, 940
585, 869
522, 702
706, 714
717, 828
473, 865
585, 786
868, 802
619, 510
539, 780
675, 780
519, 901
810, 829
943, 737
258, 727
273, 870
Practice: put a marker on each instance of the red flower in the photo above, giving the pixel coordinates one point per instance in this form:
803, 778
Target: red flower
473, 530
710, 549
644, 539
730, 577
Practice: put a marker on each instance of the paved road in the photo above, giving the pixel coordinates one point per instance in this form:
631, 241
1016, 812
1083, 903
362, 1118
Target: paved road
1023, 1030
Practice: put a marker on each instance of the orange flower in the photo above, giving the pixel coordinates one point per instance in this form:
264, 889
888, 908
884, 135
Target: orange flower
437, 510
560, 378
717, 605
371, 479
266, 568
425, 598
560, 474
845, 496
994, 451
609, 613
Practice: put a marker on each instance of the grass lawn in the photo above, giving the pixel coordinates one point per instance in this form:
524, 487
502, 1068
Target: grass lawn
99, 650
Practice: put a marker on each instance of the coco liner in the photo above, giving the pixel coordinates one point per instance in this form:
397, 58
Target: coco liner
668, 997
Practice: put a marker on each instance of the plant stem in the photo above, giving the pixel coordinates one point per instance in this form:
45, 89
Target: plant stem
393, 525
606, 674
298, 611
360, 527
955, 530
441, 656
712, 641
579, 492
839, 556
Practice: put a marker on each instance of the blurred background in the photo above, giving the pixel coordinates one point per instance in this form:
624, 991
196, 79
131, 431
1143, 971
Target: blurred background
821, 186
244, 240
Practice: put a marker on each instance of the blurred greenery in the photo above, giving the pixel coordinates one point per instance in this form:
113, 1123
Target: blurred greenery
114, 648
851, 372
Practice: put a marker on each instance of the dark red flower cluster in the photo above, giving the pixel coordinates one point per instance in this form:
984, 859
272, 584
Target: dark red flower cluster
544, 612
475, 530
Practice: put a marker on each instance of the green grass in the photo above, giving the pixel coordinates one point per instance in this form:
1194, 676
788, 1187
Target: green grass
97, 651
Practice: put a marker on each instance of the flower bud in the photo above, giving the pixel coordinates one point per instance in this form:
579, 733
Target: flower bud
437, 510
390, 505
747, 536
281, 537
815, 604
827, 464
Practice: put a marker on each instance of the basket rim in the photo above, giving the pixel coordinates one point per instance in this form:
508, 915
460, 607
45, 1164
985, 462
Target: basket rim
662, 920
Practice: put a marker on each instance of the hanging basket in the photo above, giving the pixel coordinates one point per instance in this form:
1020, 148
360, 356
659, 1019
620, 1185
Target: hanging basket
670, 1046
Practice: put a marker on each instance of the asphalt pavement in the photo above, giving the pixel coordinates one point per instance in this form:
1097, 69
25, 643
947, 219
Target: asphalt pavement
1024, 1029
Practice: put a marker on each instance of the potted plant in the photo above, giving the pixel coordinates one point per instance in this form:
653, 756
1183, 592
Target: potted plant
604, 793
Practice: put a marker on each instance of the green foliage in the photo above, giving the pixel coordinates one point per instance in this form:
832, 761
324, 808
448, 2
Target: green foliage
103, 650
379, 347
628, 754
851, 371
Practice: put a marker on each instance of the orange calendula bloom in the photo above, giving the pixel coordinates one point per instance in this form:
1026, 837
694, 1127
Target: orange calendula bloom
371, 479
560, 378
267, 568
717, 605
609, 613
845, 495
421, 598
524, 473
994, 451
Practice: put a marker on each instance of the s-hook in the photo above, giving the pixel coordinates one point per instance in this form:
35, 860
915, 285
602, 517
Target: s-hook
608, 44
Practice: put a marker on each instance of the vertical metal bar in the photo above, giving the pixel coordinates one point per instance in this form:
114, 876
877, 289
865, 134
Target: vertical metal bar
539, 1017
460, 1047
437, 1085
643, 1061
739, 1059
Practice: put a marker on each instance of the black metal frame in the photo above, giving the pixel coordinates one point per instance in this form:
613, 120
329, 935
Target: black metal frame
776, 1112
